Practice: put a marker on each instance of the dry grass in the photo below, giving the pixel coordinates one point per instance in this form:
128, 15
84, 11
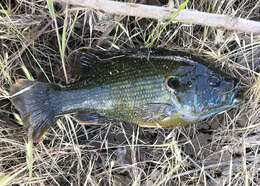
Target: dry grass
222, 150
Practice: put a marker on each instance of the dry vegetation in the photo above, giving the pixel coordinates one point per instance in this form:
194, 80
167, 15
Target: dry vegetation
223, 150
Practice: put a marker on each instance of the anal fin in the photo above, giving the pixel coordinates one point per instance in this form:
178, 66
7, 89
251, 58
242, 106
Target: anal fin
85, 117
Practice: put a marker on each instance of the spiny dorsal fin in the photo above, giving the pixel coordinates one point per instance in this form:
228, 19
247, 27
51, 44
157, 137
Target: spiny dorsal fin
83, 59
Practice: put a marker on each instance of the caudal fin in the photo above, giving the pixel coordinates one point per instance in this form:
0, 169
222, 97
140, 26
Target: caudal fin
31, 99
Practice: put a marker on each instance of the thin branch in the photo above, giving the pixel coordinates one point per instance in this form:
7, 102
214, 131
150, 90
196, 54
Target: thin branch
164, 12
21, 20
25, 46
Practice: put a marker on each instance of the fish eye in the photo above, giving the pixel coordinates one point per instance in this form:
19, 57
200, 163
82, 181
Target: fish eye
172, 82
214, 81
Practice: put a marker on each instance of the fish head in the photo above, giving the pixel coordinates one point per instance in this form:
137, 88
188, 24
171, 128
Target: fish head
198, 92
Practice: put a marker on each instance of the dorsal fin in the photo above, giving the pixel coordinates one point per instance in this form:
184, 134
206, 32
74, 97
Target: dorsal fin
83, 59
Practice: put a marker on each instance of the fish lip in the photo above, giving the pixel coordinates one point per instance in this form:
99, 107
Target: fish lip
237, 96
227, 102
236, 99
231, 97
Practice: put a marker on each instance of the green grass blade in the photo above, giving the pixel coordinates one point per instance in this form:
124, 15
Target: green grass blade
6, 12
27, 73
3, 180
29, 156
151, 35
51, 8
168, 175
39, 66
171, 18
63, 37
61, 43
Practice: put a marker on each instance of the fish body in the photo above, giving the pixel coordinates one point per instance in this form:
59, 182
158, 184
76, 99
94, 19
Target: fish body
149, 87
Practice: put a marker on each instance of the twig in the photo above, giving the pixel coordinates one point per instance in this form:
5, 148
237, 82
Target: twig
202, 169
217, 165
20, 20
164, 12
26, 45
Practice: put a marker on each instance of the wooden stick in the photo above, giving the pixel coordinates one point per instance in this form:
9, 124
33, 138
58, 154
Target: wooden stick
164, 12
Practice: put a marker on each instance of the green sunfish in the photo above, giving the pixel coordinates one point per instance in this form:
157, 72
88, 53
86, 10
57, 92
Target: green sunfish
148, 87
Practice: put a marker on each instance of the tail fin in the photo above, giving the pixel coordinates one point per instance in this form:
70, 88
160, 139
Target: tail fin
31, 99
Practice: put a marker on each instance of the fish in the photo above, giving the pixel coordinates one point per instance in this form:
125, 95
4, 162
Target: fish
148, 87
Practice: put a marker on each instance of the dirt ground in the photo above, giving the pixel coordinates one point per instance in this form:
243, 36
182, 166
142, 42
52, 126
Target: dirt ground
221, 150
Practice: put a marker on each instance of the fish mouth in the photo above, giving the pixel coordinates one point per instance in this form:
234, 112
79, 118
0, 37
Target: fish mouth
226, 101
236, 99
